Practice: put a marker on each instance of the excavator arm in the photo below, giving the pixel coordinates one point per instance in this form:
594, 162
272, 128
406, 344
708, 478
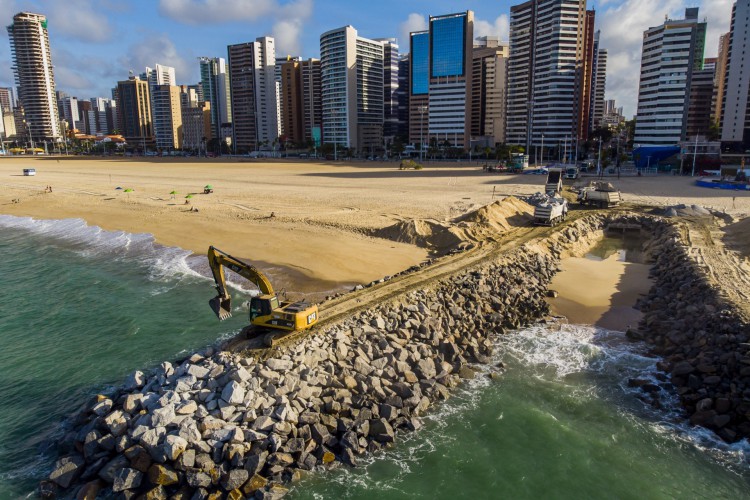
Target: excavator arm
218, 260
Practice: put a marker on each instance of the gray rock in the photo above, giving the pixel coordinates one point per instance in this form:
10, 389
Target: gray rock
234, 479
103, 407
116, 423
107, 473
127, 479
173, 446
135, 380
233, 393
279, 365
197, 479
197, 371
382, 431
152, 437
263, 424
187, 408
162, 417
254, 463
426, 368
132, 402
67, 470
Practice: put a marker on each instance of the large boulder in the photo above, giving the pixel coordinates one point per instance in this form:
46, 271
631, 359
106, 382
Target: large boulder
233, 393
67, 470
127, 479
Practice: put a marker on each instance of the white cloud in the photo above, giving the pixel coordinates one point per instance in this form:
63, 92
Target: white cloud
415, 22
157, 48
622, 25
217, 11
290, 17
79, 20
499, 28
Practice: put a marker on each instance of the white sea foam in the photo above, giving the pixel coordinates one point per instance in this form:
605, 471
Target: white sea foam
169, 265
564, 350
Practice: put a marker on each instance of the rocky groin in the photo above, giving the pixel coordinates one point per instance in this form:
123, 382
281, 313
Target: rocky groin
219, 425
702, 339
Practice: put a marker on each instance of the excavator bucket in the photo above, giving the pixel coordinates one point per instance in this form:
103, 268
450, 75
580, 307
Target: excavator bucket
222, 307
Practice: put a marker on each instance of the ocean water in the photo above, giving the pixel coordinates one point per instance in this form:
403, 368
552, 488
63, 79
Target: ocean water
81, 308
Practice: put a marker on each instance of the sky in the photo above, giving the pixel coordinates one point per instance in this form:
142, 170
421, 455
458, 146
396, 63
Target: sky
96, 42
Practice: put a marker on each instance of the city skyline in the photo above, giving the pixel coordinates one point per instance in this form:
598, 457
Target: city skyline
104, 40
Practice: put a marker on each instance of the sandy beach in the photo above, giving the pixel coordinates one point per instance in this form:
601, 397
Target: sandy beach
317, 219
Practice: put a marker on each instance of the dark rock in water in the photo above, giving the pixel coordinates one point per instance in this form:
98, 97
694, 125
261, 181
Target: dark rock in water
67, 470
382, 431
466, 373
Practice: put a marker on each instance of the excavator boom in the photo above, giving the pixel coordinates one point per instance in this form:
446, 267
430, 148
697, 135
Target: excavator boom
217, 260
267, 313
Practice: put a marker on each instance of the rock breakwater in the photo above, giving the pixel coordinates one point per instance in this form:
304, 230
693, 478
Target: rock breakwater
219, 425
700, 335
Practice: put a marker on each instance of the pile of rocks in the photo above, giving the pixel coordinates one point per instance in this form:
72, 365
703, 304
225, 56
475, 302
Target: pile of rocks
704, 343
221, 424
217, 424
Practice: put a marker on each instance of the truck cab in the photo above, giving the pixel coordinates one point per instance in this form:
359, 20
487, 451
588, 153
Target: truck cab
572, 173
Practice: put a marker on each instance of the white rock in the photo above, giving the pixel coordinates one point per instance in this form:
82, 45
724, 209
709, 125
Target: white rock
174, 446
233, 393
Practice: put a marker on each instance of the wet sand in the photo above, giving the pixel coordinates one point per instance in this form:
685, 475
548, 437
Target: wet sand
600, 292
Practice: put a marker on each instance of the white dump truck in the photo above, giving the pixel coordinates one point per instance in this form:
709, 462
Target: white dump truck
600, 194
554, 184
550, 211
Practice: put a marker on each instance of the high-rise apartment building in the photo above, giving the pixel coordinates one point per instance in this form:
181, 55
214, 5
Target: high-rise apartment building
545, 72
451, 45
196, 126
163, 90
735, 125
719, 74
490, 62
419, 88
167, 113
134, 112
33, 70
671, 53
352, 89
254, 94
103, 123
391, 119
587, 84
700, 101
215, 90
6, 99
599, 79
300, 100
68, 111
402, 96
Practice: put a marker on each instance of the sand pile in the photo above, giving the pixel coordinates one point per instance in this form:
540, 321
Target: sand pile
686, 211
485, 223
738, 236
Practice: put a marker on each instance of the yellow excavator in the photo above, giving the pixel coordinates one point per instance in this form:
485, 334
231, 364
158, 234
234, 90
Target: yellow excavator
267, 313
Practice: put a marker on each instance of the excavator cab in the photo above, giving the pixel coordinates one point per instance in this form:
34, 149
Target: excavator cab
263, 305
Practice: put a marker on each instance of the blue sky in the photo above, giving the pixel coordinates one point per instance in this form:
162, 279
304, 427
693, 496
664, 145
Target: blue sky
95, 42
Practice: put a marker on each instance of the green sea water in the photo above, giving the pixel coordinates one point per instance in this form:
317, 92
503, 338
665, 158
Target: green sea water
81, 308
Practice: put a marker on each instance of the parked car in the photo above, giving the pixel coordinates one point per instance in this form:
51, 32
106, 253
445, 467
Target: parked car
536, 171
